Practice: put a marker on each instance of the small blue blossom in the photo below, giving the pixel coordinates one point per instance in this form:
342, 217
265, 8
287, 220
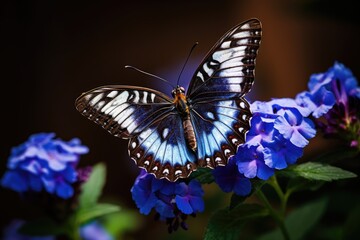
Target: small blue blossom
189, 197
294, 127
44, 163
94, 231
171, 200
250, 162
230, 179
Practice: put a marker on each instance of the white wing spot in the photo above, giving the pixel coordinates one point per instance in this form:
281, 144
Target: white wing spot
200, 75
165, 132
155, 168
188, 166
138, 155
244, 117
137, 97
145, 97
208, 70
207, 159
210, 115
242, 105
166, 171
112, 94
133, 145
226, 151
241, 129
152, 95
146, 163
234, 140
226, 44
96, 99
217, 159
178, 172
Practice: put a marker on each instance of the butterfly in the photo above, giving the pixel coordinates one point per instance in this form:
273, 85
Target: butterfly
172, 137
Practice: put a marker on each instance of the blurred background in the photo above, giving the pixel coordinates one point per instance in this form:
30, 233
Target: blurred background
52, 51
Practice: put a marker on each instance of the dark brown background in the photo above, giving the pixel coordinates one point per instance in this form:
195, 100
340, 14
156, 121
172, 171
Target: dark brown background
52, 51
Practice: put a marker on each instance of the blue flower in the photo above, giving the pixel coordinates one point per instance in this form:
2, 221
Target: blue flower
250, 162
171, 200
44, 163
189, 197
94, 231
294, 127
230, 179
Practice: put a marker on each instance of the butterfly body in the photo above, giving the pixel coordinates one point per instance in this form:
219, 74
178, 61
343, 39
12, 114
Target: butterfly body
183, 108
172, 137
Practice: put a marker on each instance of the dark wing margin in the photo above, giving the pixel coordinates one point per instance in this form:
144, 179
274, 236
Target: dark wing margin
124, 111
228, 69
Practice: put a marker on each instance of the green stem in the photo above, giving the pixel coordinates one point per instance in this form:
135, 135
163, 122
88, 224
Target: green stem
278, 218
282, 196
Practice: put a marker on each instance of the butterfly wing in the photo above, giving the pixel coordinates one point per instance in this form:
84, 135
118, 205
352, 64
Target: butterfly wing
220, 114
149, 119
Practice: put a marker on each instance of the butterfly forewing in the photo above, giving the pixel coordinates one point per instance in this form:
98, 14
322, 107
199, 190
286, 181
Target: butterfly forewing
124, 111
228, 69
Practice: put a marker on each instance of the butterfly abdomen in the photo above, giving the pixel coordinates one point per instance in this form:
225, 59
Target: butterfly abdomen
189, 133
182, 106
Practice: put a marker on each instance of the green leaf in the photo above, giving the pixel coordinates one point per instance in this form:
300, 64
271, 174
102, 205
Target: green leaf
300, 184
86, 214
42, 227
236, 200
203, 175
319, 171
119, 223
92, 189
300, 221
226, 224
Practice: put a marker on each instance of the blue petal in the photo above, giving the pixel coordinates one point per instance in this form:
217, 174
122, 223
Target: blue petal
197, 204
183, 204
64, 190
15, 181
164, 209
242, 186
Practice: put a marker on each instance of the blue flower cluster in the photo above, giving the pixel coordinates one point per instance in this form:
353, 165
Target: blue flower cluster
172, 201
280, 129
44, 163
334, 94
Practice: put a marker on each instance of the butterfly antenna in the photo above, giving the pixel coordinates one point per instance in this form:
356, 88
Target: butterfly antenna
187, 59
149, 74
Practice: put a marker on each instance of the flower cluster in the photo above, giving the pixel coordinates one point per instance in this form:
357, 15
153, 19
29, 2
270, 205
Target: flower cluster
45, 163
172, 201
335, 95
280, 129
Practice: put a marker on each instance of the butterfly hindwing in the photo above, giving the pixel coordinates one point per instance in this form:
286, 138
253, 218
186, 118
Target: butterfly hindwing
162, 149
220, 127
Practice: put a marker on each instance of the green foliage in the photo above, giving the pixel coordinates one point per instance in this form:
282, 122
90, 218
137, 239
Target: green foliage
300, 221
203, 175
227, 223
92, 189
318, 171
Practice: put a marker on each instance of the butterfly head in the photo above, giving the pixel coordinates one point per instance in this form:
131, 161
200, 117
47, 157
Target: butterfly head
178, 91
